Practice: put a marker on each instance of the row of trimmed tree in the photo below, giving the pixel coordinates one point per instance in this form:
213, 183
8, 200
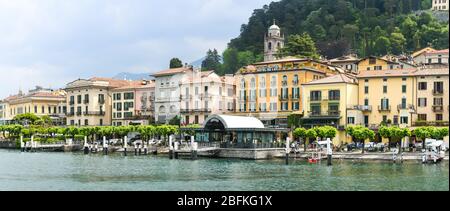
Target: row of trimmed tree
361, 134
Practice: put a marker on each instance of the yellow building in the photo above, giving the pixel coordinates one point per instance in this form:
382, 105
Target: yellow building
271, 90
374, 63
330, 101
39, 101
89, 102
387, 96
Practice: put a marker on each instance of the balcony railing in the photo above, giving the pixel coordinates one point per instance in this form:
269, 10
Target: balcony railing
324, 114
430, 123
79, 113
203, 110
438, 92
384, 108
70, 114
283, 97
360, 107
101, 101
295, 83
405, 107
334, 98
294, 97
185, 97
71, 102
315, 99
86, 101
94, 113
284, 83
438, 108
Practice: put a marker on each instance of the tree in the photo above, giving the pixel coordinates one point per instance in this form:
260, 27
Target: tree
360, 134
299, 46
230, 61
27, 118
382, 46
175, 63
301, 133
212, 61
394, 134
310, 134
398, 42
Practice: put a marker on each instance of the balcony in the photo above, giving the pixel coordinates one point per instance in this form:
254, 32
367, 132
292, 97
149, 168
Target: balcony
315, 99
190, 111
86, 101
405, 107
79, 113
71, 102
430, 123
294, 97
438, 92
242, 99
324, 114
294, 83
334, 98
283, 97
438, 108
360, 107
284, 83
101, 101
205, 96
384, 108
185, 97
70, 114
94, 113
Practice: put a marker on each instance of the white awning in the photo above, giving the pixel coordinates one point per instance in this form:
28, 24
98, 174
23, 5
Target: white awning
236, 122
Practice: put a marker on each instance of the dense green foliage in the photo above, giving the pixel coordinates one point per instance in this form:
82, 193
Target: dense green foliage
360, 134
338, 27
175, 63
302, 46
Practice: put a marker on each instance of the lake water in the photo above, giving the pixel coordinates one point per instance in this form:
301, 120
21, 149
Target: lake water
75, 171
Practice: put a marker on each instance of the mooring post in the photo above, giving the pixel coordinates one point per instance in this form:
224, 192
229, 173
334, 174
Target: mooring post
329, 152
140, 149
287, 151
170, 148
145, 148
86, 146
135, 149
193, 148
105, 146
31, 144
22, 145
176, 150
125, 145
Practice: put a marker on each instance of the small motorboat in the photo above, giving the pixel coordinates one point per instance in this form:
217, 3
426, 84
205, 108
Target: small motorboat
312, 160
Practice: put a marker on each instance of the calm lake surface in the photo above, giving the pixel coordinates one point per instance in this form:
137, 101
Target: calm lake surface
75, 171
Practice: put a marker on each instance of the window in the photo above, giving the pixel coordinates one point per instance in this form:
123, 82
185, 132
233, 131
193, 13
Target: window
296, 93
385, 89
295, 106
101, 122
403, 88
284, 106
42, 109
437, 101
79, 99
196, 88
316, 95
404, 120
378, 68
366, 102
422, 85
351, 120
315, 109
403, 105
372, 60
101, 98
128, 114
384, 104
273, 106
384, 118
422, 117
127, 105
366, 90
128, 96
439, 117
422, 102
295, 81
35, 109
439, 87
395, 120
285, 81
284, 93
119, 106
334, 95
86, 98
86, 122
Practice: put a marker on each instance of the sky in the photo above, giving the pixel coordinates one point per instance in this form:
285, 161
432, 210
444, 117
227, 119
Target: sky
52, 42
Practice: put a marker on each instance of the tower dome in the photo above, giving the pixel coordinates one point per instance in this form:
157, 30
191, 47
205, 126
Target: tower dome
274, 30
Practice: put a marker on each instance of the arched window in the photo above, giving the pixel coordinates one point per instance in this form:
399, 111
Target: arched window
262, 82
173, 109
270, 46
295, 81
243, 84
285, 78
162, 110
273, 82
253, 83
278, 45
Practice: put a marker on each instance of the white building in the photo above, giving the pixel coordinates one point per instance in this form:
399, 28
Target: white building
431, 56
205, 93
167, 93
440, 5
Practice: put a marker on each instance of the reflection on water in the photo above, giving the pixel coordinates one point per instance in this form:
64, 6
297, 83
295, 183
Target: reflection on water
67, 171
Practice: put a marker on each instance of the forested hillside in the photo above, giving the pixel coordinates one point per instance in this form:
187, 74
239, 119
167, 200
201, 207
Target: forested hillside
338, 27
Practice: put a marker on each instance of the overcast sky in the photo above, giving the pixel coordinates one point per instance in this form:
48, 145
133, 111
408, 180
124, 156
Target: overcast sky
53, 42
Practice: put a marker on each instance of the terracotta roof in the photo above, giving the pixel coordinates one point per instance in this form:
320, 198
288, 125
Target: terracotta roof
438, 51
339, 78
346, 58
386, 73
172, 71
432, 71
136, 85
419, 52
112, 82
287, 59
